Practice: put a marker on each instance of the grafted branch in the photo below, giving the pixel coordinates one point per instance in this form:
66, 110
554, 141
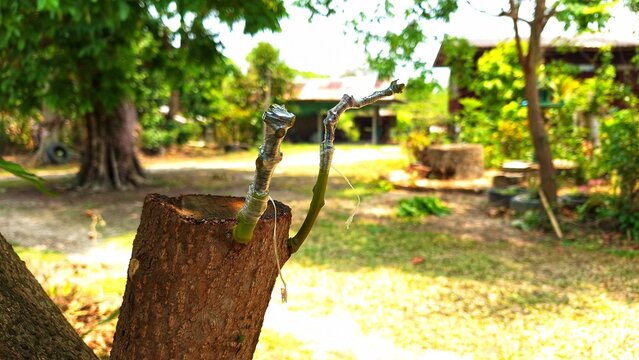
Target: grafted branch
277, 121
326, 156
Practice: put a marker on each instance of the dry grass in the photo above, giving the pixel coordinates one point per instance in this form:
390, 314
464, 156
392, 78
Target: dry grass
392, 288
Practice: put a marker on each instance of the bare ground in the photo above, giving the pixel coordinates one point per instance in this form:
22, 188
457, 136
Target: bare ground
31, 218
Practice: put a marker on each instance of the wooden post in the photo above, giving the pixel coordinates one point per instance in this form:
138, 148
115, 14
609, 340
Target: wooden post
374, 125
192, 292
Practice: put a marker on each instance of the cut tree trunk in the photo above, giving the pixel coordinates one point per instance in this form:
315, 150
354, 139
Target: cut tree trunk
456, 161
192, 292
109, 159
31, 325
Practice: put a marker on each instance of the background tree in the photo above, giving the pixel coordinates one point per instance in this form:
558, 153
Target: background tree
88, 61
270, 77
399, 47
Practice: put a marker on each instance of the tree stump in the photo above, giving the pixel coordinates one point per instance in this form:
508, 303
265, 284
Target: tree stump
192, 292
456, 161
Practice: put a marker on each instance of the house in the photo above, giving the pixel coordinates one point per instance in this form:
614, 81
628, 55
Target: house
580, 50
312, 98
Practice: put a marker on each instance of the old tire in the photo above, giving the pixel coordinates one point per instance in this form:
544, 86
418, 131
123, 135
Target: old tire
572, 201
58, 153
501, 196
524, 202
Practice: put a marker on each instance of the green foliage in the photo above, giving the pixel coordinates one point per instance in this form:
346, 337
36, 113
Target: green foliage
422, 205
20, 172
620, 148
270, 77
460, 57
417, 142
82, 57
234, 105
348, 126
15, 133
153, 139
620, 157
388, 50
584, 15
159, 133
425, 105
494, 117
530, 220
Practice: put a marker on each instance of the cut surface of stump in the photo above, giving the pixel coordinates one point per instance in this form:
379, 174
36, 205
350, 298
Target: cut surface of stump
456, 161
192, 292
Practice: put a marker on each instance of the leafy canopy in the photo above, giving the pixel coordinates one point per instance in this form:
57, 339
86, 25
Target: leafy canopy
77, 56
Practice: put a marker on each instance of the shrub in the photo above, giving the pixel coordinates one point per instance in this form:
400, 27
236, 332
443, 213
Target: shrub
154, 139
531, 220
423, 205
620, 158
185, 132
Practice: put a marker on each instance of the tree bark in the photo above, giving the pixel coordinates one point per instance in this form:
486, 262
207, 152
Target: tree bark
31, 325
536, 126
174, 105
192, 292
109, 159
48, 133
529, 63
540, 138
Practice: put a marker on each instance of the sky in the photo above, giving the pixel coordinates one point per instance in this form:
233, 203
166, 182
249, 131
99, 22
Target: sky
327, 46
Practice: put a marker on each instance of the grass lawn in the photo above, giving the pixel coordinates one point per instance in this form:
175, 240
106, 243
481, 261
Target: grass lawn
483, 300
398, 288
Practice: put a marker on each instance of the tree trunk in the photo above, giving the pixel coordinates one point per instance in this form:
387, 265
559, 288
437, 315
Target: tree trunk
192, 292
31, 325
174, 105
47, 134
539, 136
456, 161
109, 159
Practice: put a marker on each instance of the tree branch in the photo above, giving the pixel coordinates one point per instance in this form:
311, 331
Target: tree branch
548, 15
326, 156
480, 10
514, 15
277, 121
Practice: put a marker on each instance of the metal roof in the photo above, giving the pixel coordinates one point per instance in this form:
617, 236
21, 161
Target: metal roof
332, 89
582, 41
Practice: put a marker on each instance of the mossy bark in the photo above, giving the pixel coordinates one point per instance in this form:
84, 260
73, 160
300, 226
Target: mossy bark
31, 325
193, 292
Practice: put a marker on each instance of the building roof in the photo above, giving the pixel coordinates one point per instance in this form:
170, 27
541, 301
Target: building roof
582, 41
332, 89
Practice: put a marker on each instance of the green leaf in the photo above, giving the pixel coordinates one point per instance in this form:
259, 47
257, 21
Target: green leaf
123, 10
110, 317
421, 206
20, 172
